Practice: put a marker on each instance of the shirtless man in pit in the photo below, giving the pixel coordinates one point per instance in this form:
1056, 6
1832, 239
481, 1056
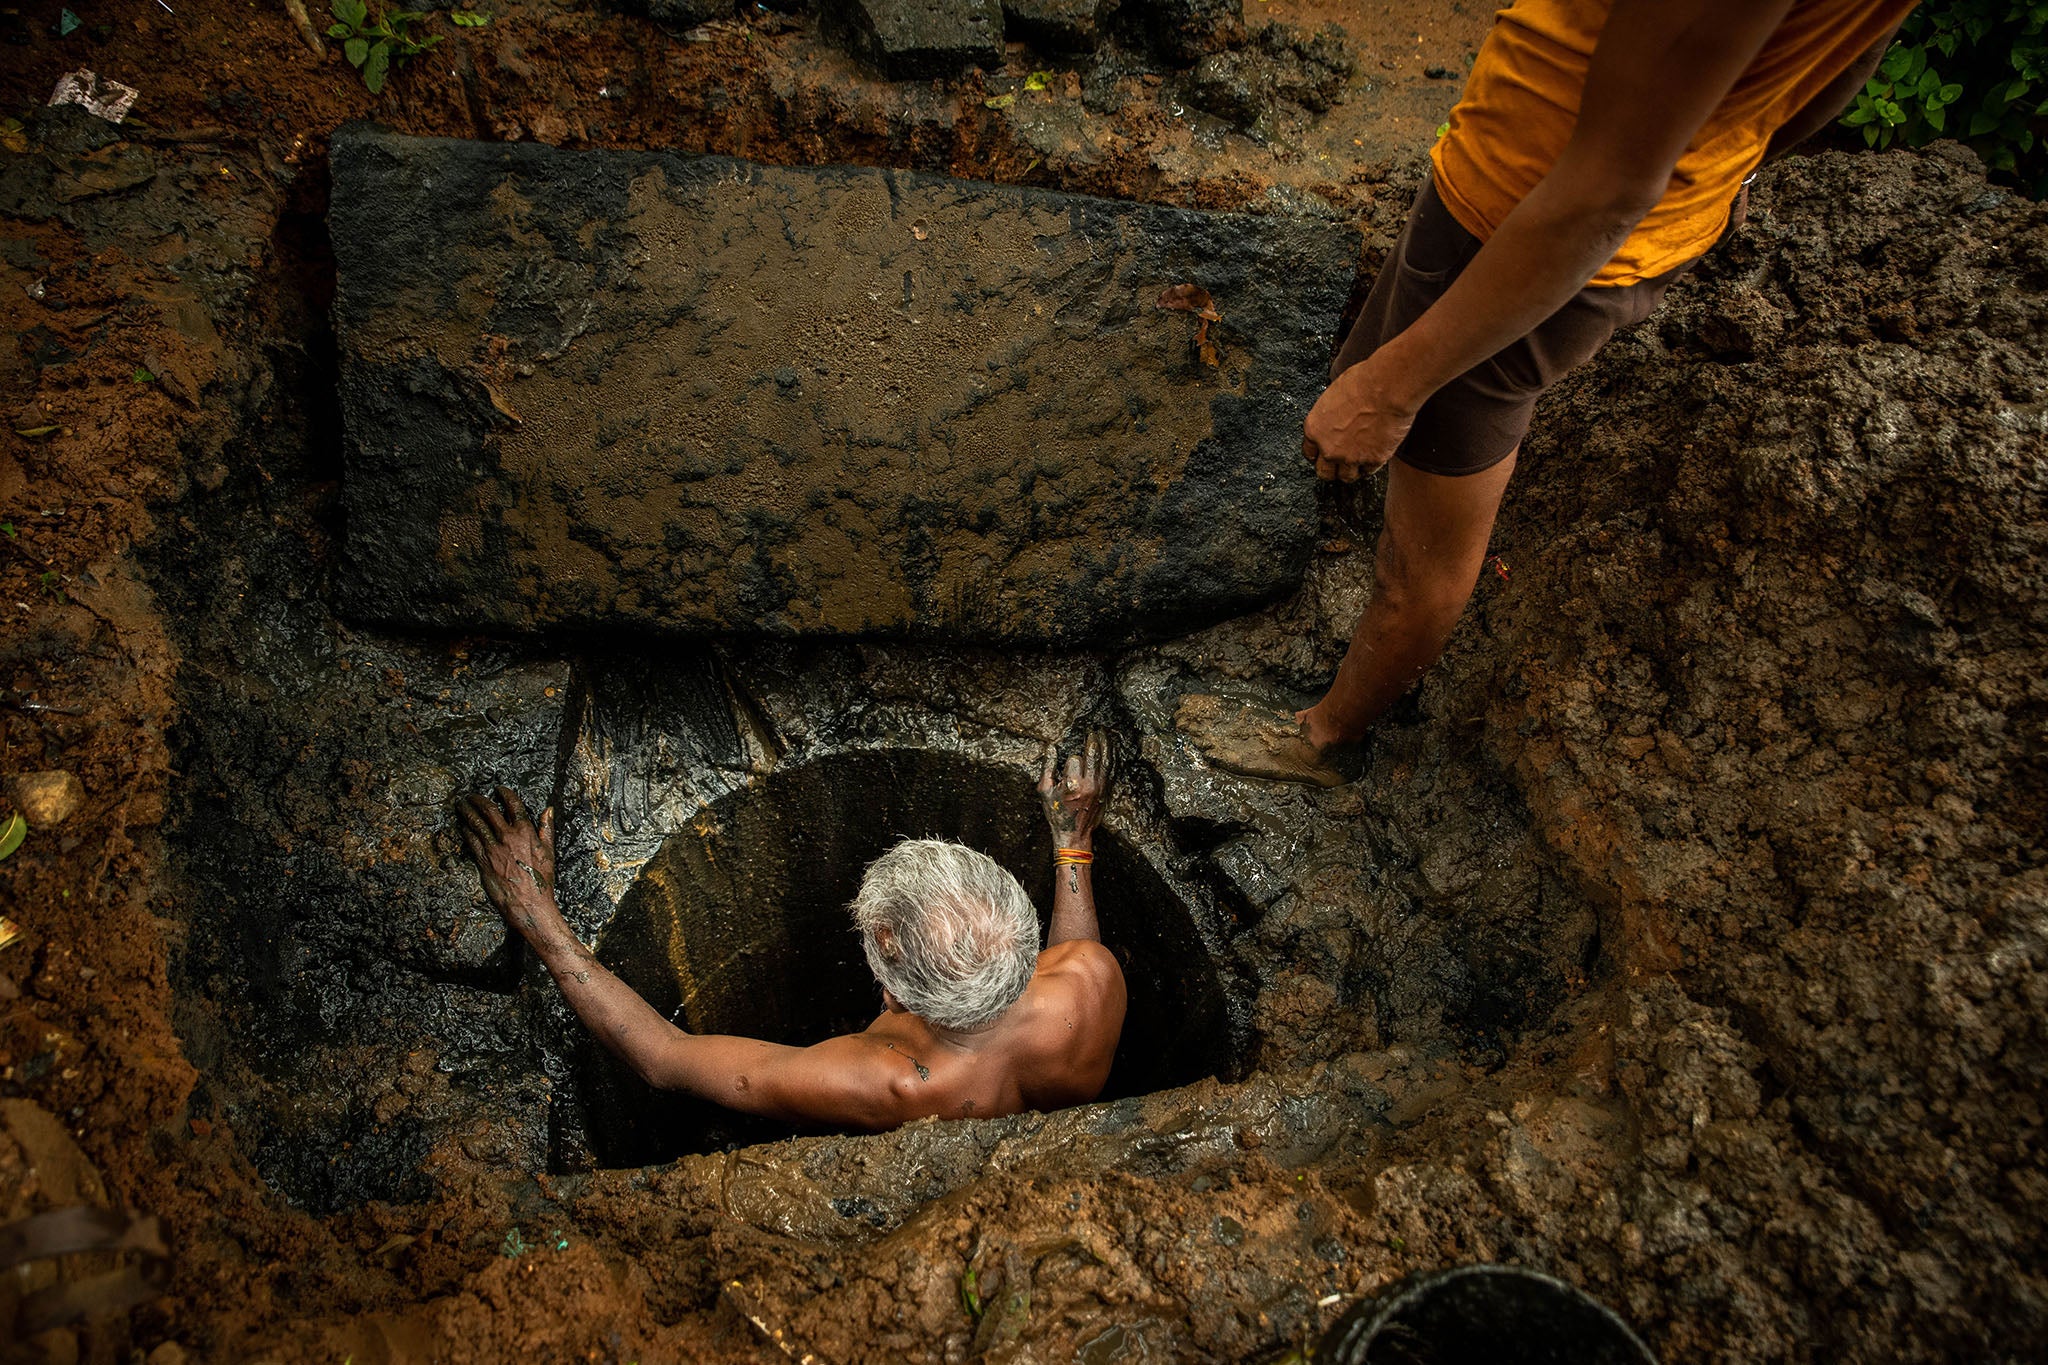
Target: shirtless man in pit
976, 1020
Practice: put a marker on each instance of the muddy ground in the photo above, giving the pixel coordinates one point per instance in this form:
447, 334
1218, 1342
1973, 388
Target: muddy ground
1686, 936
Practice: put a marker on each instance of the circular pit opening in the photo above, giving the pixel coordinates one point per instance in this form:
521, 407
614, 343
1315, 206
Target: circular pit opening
745, 930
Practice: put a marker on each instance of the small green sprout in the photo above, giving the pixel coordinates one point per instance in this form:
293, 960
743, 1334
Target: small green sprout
373, 47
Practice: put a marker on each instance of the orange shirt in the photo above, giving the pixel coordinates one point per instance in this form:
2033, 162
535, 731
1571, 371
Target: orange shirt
1522, 100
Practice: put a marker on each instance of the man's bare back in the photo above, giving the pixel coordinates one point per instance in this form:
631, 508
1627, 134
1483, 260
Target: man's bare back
1050, 1049
1045, 1046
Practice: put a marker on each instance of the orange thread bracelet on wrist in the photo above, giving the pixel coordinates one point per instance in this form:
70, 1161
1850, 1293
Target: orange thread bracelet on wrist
1080, 856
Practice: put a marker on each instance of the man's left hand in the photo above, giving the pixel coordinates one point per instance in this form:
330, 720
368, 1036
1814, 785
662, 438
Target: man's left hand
1356, 425
1073, 803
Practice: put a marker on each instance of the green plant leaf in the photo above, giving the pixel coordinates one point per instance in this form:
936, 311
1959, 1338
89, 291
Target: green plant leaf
469, 18
1038, 80
376, 65
1936, 116
12, 832
34, 433
355, 49
1950, 93
143, 376
350, 12
339, 30
1000, 101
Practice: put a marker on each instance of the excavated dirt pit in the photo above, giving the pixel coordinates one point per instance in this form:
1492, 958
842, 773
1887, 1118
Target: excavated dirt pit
1685, 938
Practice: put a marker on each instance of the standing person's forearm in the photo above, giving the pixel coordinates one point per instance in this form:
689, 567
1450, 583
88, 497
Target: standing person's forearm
1542, 254
1073, 898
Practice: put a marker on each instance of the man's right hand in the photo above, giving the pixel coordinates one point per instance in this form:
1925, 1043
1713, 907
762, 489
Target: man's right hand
515, 857
1358, 423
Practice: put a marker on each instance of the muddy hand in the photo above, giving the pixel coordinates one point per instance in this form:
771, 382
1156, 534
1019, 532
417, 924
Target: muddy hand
1356, 426
1073, 801
515, 857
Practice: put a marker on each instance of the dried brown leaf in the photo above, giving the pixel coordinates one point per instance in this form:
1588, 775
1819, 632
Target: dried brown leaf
1190, 298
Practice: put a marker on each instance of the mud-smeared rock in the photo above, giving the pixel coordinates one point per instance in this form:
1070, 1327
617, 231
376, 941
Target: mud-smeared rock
912, 38
1056, 25
670, 394
1185, 31
1282, 65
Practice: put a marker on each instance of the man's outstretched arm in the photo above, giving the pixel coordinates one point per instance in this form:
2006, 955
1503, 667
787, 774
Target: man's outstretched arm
823, 1084
1659, 71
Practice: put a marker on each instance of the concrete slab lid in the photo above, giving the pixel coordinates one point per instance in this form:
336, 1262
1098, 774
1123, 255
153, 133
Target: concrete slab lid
685, 394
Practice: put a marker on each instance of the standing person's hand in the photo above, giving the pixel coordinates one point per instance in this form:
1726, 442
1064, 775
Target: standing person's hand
1356, 425
515, 857
1073, 803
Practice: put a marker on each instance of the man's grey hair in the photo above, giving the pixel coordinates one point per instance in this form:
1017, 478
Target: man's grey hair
963, 936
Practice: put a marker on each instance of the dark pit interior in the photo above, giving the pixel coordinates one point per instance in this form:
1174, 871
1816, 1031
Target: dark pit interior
745, 930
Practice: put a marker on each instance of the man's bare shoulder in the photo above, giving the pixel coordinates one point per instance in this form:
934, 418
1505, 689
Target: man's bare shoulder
1083, 961
867, 1080
1076, 994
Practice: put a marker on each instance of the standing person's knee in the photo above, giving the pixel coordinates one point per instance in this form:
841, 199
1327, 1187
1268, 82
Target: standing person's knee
1414, 582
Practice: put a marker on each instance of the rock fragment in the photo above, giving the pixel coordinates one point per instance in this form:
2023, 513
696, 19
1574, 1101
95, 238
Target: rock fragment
1055, 25
47, 799
678, 14
915, 38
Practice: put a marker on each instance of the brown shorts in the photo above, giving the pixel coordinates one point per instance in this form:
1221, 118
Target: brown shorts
1478, 419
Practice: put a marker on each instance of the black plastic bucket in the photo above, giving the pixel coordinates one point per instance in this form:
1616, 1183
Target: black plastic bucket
1482, 1315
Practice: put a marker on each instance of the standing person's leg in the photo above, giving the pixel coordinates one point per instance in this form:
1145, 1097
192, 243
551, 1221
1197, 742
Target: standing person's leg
1432, 545
1444, 488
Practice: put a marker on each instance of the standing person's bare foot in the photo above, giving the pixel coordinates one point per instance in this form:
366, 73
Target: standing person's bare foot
1257, 739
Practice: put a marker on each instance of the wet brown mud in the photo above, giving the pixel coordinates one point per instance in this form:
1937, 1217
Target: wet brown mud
1684, 937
